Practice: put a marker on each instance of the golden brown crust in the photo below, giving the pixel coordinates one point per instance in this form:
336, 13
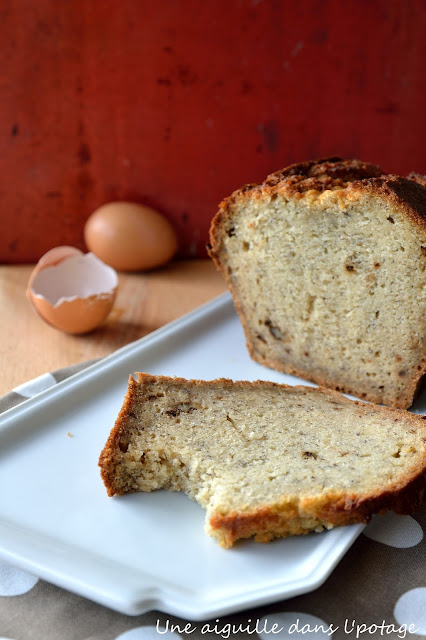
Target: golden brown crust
107, 457
326, 512
334, 173
320, 175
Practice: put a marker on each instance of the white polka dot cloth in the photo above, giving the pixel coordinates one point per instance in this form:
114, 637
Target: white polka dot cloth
377, 591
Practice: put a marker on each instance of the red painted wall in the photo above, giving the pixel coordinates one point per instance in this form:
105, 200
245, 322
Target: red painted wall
175, 103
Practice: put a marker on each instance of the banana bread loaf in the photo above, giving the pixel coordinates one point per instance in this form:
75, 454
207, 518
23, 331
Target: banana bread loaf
326, 262
263, 459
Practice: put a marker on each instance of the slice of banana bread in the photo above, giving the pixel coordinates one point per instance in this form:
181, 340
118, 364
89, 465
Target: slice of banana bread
326, 262
263, 459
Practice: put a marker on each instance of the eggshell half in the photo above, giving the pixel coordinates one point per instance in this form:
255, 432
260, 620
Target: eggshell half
51, 258
74, 294
130, 236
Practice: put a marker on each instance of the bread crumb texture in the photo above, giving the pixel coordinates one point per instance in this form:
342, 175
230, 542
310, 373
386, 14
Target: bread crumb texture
265, 460
326, 262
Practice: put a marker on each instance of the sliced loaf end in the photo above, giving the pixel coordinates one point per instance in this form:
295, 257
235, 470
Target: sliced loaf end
265, 460
326, 262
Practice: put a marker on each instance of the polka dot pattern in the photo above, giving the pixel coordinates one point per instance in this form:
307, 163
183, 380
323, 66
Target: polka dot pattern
396, 531
14, 582
411, 610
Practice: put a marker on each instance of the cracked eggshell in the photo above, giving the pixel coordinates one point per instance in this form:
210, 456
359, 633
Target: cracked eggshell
72, 291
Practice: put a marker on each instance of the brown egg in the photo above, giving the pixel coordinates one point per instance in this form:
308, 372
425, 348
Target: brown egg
72, 291
130, 237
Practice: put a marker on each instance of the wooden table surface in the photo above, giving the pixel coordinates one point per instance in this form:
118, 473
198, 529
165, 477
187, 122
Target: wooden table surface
145, 301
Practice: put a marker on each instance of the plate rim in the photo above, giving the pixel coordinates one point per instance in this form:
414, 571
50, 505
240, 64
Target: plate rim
153, 597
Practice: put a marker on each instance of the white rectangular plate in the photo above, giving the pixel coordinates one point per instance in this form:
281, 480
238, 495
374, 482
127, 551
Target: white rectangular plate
142, 551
